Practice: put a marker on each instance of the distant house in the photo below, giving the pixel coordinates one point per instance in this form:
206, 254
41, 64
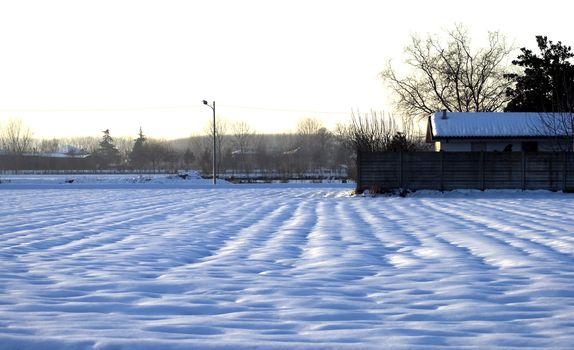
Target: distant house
66, 151
243, 153
72, 151
500, 132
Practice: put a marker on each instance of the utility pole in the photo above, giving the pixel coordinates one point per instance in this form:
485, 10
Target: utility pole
212, 106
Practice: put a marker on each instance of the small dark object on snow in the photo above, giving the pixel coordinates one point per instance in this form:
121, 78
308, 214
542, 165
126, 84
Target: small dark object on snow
69, 181
183, 176
403, 192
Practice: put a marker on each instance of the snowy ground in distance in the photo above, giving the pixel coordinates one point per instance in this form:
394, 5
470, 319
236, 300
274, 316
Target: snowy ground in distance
243, 267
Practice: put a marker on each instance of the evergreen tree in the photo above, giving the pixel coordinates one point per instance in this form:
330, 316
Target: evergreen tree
138, 154
107, 152
547, 83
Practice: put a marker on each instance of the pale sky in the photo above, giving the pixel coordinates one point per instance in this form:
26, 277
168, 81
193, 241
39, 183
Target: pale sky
75, 67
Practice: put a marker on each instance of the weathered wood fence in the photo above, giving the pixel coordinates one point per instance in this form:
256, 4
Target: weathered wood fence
465, 170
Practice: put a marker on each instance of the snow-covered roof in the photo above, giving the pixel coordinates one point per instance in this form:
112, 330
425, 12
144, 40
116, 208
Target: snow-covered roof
55, 155
69, 149
244, 152
499, 124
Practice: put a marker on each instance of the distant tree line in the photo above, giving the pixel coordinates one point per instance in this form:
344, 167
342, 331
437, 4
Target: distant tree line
311, 149
241, 153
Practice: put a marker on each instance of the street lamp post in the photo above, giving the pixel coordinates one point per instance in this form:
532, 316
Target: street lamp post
212, 106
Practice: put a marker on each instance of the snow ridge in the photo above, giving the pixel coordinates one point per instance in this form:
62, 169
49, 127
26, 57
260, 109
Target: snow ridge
280, 268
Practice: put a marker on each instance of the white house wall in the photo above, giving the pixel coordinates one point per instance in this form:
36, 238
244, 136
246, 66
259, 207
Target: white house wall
500, 146
492, 146
466, 146
455, 146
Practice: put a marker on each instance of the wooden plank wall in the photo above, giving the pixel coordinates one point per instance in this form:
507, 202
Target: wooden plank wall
465, 170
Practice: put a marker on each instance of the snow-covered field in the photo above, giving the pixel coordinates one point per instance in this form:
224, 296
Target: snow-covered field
88, 265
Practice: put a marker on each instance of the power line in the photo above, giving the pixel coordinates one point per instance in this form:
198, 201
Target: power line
159, 108
103, 109
284, 110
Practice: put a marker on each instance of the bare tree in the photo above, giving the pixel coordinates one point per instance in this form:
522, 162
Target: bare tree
450, 75
559, 126
16, 137
47, 146
154, 152
221, 140
124, 145
560, 123
371, 132
308, 126
308, 140
243, 137
202, 147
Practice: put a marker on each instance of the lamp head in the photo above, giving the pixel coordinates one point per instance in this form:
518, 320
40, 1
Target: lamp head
204, 102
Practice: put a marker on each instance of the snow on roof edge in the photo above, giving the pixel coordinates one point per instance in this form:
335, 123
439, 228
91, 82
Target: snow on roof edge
499, 124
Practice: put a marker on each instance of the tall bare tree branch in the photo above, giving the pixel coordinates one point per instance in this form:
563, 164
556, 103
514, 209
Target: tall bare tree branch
449, 74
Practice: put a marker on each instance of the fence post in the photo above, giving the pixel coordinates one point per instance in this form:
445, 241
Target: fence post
400, 169
358, 166
441, 186
564, 169
523, 179
482, 171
